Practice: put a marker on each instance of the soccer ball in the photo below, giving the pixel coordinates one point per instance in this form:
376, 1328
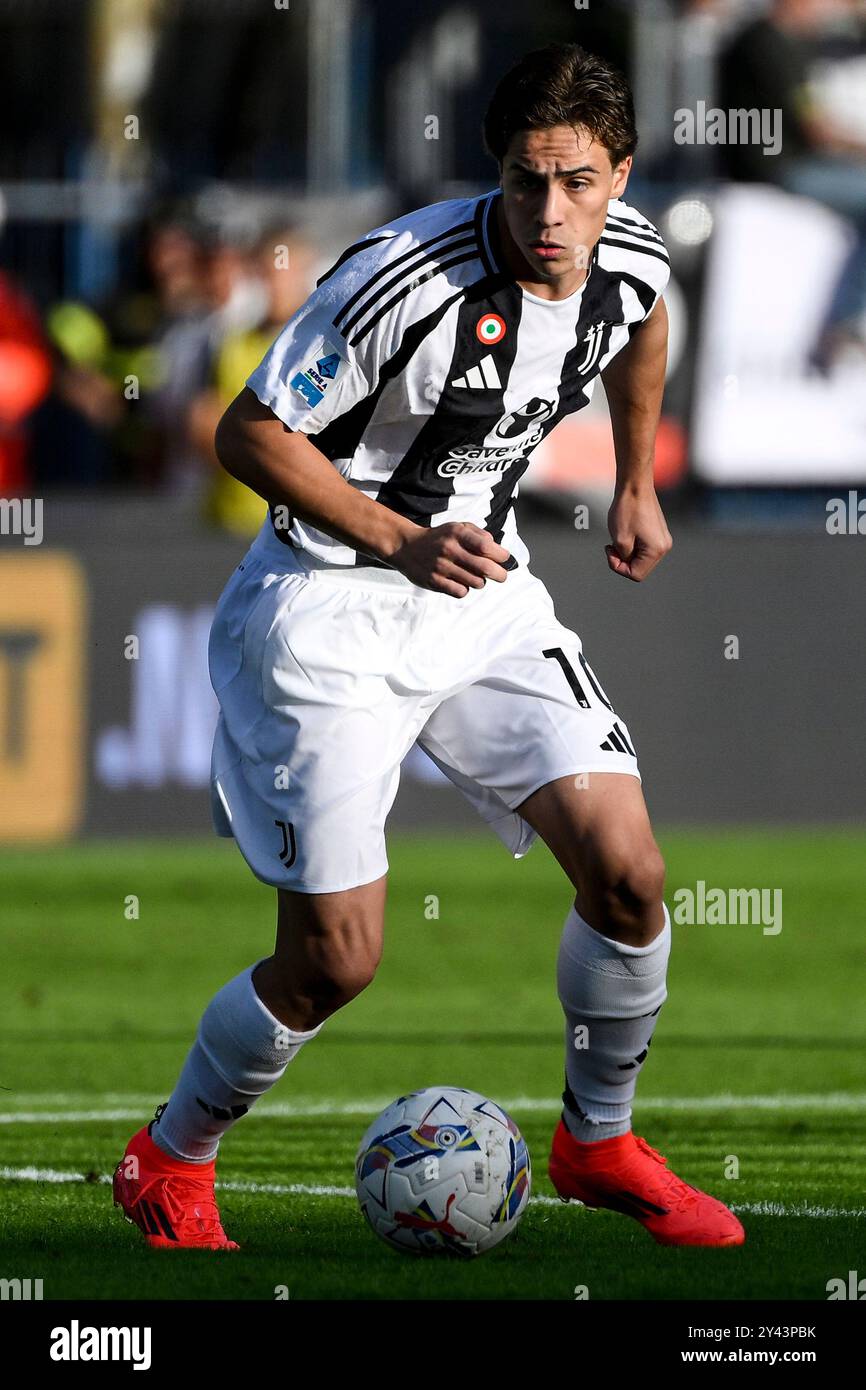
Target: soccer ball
443, 1171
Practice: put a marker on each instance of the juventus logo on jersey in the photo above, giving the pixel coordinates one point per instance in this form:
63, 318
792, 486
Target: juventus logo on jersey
594, 340
484, 377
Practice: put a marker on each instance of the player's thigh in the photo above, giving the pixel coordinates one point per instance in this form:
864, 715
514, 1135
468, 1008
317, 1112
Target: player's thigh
327, 949
537, 712
311, 732
598, 827
539, 735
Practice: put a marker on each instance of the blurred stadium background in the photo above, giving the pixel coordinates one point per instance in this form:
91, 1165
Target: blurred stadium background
156, 152
153, 155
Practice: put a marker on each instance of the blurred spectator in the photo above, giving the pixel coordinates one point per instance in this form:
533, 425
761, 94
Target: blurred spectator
768, 66
96, 428
176, 261
233, 300
166, 289
78, 430
285, 263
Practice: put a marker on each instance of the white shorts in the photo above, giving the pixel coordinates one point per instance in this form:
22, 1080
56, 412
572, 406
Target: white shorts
326, 677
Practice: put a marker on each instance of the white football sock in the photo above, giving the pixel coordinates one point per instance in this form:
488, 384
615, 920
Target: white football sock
611, 995
240, 1051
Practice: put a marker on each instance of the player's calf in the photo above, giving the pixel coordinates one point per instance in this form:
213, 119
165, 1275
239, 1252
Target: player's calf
240, 1051
327, 950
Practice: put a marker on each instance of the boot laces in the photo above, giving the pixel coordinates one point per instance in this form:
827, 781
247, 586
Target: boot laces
205, 1212
677, 1193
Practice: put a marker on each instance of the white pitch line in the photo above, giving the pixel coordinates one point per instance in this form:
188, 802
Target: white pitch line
61, 1117
289, 1110
278, 1189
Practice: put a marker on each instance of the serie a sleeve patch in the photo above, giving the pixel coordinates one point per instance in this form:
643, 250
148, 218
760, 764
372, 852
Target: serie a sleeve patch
312, 382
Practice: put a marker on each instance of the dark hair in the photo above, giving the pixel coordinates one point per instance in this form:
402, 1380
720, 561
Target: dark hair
562, 84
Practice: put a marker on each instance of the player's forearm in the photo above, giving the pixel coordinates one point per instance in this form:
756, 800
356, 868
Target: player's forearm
286, 469
634, 384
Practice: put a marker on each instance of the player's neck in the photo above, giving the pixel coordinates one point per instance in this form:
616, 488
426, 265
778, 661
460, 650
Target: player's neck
561, 288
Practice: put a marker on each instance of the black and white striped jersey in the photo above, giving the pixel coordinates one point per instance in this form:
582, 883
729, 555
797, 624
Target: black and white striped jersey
428, 376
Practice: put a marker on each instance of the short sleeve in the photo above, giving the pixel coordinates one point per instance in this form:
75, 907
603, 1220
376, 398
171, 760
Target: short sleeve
311, 375
658, 273
632, 249
659, 291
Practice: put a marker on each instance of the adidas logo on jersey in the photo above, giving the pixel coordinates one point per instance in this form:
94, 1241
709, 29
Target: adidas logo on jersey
616, 741
484, 377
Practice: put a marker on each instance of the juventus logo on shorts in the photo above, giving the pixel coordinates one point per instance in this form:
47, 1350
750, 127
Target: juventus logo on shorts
289, 849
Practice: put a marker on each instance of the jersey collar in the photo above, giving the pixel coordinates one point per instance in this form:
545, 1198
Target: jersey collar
488, 235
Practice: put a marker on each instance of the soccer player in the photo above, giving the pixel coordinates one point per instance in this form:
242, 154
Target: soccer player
388, 598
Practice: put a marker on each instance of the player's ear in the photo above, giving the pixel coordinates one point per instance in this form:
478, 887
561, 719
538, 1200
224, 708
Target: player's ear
620, 177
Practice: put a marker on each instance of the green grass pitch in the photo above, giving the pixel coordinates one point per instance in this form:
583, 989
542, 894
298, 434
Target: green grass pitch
757, 1057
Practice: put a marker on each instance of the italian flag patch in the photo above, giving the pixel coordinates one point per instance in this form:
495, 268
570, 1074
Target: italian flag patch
490, 328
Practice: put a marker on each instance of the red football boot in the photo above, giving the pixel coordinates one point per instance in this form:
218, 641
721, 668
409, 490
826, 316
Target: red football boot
627, 1175
170, 1200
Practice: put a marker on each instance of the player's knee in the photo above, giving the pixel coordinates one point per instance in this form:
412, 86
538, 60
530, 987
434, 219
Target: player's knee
309, 992
339, 979
628, 892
